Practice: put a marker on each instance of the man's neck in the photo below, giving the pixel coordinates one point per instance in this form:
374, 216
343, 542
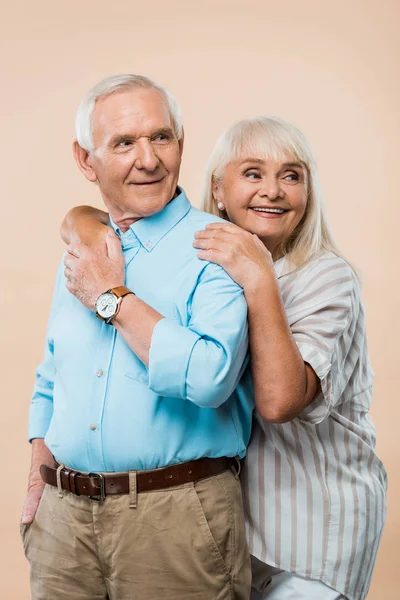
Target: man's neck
124, 224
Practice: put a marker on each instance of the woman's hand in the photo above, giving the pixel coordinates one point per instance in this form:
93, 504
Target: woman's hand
242, 254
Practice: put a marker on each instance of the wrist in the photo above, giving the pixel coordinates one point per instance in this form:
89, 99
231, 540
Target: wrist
259, 283
126, 305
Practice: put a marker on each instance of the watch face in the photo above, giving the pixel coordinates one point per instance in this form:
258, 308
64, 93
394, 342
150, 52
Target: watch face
106, 305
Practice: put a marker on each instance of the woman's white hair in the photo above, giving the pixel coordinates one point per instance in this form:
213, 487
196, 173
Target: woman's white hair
275, 138
118, 83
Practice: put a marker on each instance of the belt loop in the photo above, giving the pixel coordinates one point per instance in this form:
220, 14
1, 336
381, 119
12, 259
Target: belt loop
58, 475
236, 471
132, 489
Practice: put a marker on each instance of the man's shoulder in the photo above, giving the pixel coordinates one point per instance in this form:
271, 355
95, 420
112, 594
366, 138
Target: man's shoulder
196, 218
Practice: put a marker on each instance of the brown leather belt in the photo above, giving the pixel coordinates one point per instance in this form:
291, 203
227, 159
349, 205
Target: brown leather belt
99, 485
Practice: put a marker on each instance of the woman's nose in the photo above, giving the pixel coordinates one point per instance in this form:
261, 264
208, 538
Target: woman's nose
270, 189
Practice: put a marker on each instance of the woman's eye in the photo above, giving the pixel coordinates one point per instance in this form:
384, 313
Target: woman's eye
252, 175
291, 177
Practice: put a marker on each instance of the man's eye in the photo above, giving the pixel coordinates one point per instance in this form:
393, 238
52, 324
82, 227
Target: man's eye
161, 138
125, 143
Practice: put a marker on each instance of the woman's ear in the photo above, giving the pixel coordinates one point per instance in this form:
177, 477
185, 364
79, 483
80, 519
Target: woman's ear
217, 194
84, 161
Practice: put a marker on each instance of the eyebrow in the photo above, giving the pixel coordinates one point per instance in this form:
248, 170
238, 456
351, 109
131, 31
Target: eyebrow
287, 165
292, 165
126, 136
259, 161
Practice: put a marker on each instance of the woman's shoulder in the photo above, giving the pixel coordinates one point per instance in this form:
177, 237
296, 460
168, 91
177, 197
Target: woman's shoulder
326, 267
321, 280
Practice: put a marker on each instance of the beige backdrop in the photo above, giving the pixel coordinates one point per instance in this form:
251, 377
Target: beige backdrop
330, 67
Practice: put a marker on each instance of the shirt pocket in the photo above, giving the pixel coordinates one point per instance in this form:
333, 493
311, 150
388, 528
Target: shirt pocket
140, 375
130, 366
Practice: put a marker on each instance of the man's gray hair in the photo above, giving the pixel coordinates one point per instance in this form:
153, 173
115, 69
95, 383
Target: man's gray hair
116, 83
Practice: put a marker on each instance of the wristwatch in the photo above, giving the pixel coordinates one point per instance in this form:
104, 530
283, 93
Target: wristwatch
108, 303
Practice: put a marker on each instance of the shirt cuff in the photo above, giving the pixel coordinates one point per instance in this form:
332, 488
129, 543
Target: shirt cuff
169, 356
322, 405
39, 421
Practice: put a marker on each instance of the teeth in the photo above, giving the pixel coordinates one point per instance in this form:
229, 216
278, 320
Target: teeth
270, 210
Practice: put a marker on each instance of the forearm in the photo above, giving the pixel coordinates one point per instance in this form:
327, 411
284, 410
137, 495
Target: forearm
279, 372
135, 322
85, 224
200, 363
40, 455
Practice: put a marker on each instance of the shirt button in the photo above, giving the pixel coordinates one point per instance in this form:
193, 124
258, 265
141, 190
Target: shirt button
148, 244
93, 426
100, 373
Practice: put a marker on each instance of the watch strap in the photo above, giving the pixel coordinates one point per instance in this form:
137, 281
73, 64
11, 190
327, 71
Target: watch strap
120, 291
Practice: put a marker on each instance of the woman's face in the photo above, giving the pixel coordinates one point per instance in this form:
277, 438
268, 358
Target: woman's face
264, 197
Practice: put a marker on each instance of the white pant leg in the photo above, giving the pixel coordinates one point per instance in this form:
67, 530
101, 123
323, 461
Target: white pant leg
287, 586
271, 584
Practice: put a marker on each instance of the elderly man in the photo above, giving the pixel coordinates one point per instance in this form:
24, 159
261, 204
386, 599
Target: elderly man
134, 423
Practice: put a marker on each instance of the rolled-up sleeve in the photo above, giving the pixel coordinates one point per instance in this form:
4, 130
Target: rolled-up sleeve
41, 408
322, 328
203, 361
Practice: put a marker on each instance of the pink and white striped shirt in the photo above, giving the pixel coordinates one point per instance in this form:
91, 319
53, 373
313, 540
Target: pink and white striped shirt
314, 489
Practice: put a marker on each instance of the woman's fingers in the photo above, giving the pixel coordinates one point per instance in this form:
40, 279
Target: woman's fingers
211, 242
217, 235
212, 255
228, 227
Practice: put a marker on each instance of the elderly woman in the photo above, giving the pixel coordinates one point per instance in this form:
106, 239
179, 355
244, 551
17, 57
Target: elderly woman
314, 488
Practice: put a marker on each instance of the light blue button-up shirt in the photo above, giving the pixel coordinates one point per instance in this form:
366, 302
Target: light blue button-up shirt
100, 408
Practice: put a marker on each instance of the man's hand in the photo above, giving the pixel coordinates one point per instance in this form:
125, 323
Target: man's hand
92, 271
40, 455
31, 504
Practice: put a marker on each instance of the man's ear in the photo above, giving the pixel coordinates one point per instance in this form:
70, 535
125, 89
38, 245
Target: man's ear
181, 142
84, 161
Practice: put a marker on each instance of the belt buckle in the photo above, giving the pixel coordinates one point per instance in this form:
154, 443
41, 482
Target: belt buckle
101, 496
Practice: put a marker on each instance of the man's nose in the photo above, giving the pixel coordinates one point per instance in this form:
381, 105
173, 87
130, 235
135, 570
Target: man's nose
146, 158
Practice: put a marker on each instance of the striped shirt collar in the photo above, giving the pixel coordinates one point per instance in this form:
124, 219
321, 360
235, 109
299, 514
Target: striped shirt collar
283, 267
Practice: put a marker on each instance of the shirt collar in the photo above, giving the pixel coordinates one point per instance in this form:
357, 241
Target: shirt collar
283, 267
150, 230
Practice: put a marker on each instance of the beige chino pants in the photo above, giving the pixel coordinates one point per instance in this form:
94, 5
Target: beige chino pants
181, 543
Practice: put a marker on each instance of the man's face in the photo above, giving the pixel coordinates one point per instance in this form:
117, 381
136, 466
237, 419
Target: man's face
137, 156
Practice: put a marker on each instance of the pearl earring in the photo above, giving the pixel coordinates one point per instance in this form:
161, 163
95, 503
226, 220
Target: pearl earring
220, 206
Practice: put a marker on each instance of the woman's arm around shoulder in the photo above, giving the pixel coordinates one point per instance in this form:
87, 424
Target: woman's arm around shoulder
84, 224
